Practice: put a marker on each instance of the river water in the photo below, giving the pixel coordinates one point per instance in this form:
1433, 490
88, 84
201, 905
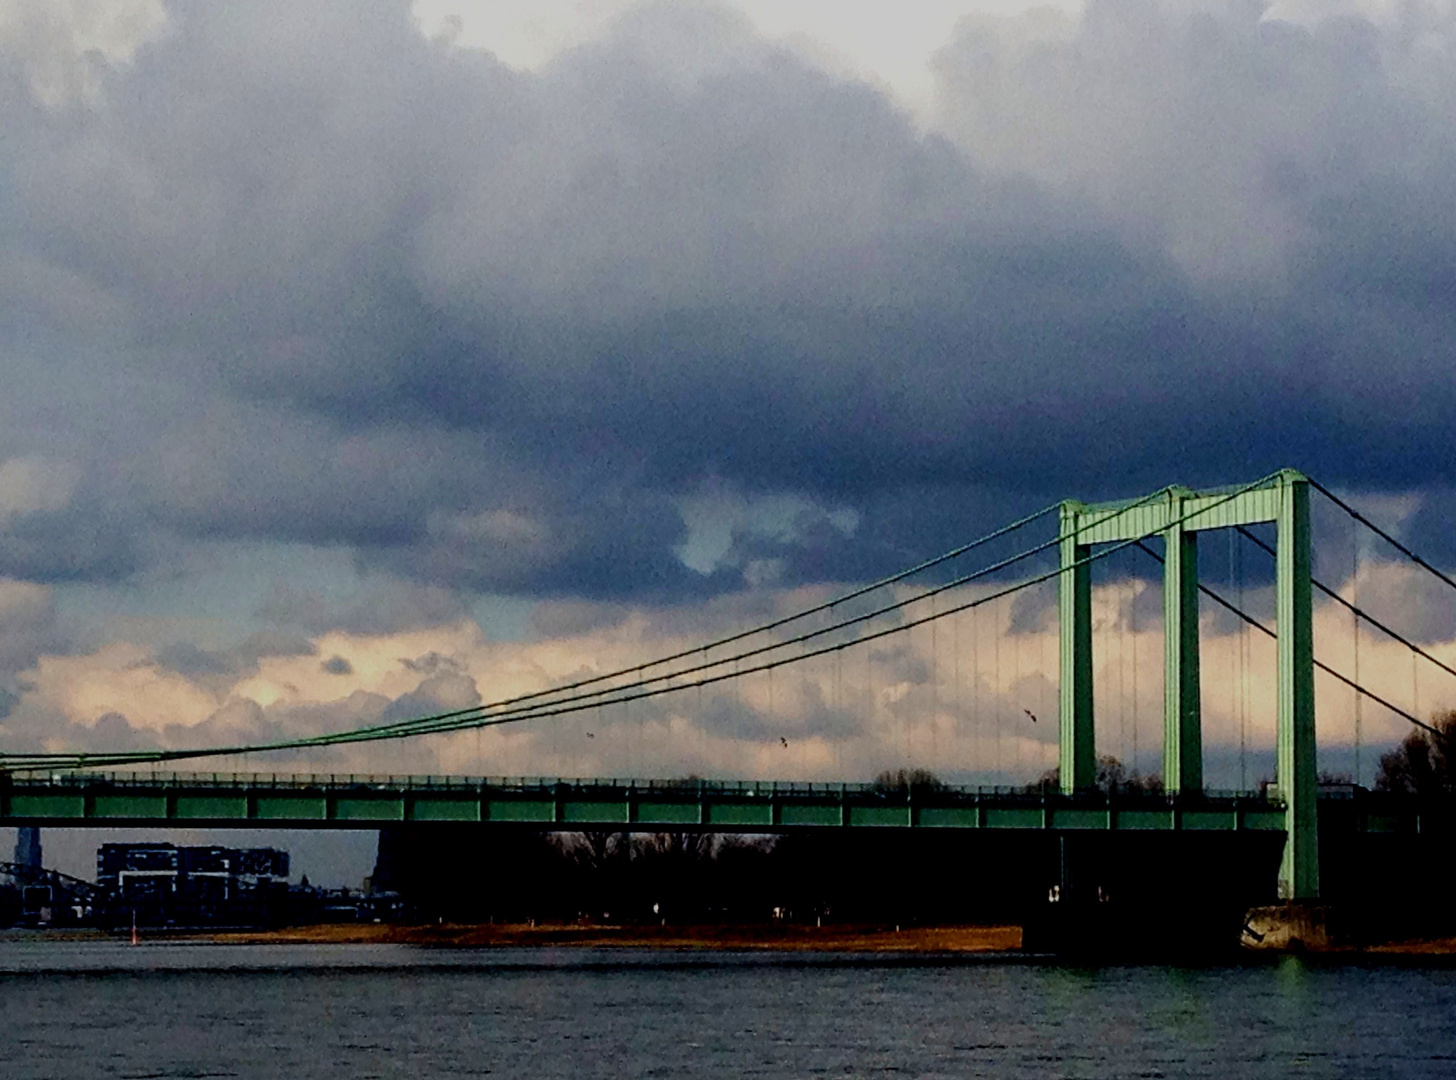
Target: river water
102, 1009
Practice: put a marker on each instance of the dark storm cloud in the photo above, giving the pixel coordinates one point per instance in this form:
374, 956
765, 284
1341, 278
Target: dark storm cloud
227, 666
389, 609
487, 329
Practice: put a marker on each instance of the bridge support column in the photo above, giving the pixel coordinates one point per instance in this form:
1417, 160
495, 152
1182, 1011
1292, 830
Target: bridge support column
1182, 723
1299, 870
1077, 756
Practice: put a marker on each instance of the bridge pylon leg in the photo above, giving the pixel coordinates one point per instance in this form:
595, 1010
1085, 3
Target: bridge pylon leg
1182, 721
1299, 870
1077, 749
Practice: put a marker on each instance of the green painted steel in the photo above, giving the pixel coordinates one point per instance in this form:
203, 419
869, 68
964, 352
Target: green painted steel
668, 813
1114, 522
1139, 820
880, 816
948, 817
521, 810
1204, 820
46, 806
1262, 820
1295, 770
1284, 500
367, 808
362, 802
214, 807
805, 813
730, 815
1076, 818
1182, 722
437, 809
274, 807
1015, 817
615, 812
129, 806
1077, 755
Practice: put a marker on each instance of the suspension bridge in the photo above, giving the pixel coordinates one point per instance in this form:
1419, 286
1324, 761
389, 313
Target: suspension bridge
1075, 794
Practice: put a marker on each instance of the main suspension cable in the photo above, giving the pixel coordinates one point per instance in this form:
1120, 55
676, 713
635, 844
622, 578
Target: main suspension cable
473, 717
1358, 612
1392, 541
455, 721
827, 605
547, 702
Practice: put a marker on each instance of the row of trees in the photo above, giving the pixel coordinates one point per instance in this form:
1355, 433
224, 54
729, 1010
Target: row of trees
1112, 775
1423, 765
475, 874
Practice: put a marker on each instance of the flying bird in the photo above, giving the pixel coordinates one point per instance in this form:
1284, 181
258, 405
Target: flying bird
1030, 714
784, 741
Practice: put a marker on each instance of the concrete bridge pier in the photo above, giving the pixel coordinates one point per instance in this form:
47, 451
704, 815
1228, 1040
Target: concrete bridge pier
1074, 917
1167, 896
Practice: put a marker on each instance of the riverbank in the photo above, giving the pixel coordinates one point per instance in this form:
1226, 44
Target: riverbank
1422, 947
767, 938
773, 938
779, 937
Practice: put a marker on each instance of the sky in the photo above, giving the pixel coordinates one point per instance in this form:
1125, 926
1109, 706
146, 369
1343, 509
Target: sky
363, 360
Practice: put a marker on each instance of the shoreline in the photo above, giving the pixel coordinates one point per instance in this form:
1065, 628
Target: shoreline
944, 939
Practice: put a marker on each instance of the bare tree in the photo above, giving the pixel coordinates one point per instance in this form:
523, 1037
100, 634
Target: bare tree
689, 847
1424, 764
599, 848
1112, 775
908, 781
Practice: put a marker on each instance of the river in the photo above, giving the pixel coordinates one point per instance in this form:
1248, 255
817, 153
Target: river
103, 1009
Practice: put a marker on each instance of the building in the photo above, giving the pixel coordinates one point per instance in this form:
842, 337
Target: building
27, 848
166, 885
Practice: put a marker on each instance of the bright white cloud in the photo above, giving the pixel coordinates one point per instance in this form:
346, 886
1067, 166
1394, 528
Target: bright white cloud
889, 45
1204, 132
718, 518
64, 46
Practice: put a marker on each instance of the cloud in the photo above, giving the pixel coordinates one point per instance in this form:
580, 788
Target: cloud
377, 604
65, 48
27, 624
677, 316
34, 485
953, 695
1235, 141
228, 664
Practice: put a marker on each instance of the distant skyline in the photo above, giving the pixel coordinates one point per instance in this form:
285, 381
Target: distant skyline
365, 360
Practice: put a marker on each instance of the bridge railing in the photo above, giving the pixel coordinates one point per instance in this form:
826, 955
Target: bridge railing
860, 791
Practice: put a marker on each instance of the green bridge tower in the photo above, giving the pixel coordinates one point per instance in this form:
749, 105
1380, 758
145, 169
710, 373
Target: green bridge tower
1179, 515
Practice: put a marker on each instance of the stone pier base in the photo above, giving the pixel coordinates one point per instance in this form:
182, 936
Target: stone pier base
1293, 927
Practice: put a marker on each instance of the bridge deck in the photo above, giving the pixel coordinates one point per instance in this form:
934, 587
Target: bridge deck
362, 802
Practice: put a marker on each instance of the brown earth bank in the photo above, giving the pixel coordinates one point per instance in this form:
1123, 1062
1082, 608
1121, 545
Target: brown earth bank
1445, 946
784, 938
